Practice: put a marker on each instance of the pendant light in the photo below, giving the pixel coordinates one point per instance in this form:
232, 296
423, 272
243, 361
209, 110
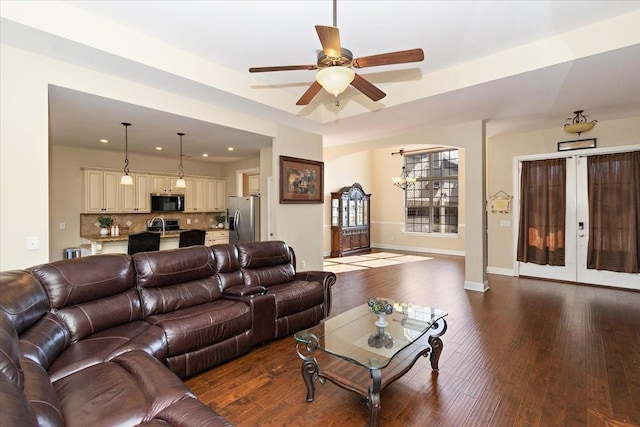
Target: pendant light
126, 178
180, 183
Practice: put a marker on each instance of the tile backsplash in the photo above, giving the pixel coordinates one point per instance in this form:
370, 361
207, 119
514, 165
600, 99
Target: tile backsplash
136, 223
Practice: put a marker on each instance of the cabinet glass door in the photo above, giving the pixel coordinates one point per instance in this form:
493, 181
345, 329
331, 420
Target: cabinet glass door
359, 213
352, 212
334, 212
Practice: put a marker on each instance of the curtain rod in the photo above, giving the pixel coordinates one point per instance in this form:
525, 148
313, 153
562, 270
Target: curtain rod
402, 151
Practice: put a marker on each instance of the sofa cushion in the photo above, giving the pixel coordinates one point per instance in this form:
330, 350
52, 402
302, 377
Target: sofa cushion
175, 279
96, 348
91, 294
266, 263
16, 410
130, 390
227, 265
203, 325
41, 395
22, 298
10, 366
296, 296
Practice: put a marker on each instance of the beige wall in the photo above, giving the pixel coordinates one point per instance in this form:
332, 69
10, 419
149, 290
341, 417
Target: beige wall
24, 155
298, 224
501, 153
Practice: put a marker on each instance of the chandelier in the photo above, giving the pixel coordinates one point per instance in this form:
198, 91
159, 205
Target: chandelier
579, 123
403, 181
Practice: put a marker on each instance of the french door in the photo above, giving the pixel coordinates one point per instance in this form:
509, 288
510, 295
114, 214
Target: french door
576, 235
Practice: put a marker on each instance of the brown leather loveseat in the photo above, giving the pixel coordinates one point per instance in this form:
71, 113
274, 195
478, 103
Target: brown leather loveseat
103, 340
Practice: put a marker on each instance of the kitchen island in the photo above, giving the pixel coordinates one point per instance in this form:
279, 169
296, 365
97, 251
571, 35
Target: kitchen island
119, 244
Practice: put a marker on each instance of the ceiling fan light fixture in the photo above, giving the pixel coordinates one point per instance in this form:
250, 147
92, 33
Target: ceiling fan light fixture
335, 80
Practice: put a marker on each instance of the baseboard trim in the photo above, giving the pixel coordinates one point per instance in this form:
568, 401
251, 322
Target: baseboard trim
501, 271
476, 286
417, 249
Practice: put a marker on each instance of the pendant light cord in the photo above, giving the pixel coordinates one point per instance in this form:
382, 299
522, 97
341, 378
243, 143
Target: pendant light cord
181, 173
126, 148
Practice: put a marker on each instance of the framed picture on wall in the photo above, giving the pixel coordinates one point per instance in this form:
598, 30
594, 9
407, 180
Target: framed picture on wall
301, 181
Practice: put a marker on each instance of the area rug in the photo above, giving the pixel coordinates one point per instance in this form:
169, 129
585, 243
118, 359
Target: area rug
371, 260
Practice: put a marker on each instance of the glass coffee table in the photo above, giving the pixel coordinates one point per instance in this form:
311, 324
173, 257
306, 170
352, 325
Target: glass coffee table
353, 352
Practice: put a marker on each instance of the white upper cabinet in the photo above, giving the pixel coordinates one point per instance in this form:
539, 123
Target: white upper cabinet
136, 198
101, 191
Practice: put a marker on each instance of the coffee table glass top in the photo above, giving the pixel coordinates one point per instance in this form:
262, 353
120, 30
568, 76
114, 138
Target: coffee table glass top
354, 336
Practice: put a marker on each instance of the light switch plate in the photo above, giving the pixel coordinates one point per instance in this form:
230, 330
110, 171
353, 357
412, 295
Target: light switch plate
32, 244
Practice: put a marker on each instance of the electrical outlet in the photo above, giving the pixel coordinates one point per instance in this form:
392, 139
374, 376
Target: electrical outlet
303, 264
32, 244
188, 221
505, 223
63, 226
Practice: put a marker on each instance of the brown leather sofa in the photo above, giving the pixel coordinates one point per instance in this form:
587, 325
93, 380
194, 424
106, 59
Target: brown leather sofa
88, 341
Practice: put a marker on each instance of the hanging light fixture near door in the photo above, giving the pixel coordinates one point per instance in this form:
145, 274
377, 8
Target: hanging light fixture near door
180, 183
579, 123
126, 178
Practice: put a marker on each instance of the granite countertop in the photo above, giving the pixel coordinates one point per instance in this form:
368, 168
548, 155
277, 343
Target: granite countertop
124, 237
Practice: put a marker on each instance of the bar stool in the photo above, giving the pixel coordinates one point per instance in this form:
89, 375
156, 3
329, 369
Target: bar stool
191, 238
143, 242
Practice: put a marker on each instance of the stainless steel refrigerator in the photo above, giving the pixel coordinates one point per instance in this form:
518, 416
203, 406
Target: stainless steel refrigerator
244, 219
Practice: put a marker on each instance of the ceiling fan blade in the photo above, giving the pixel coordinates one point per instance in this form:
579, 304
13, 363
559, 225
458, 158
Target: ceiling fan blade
282, 68
309, 94
400, 57
330, 40
364, 86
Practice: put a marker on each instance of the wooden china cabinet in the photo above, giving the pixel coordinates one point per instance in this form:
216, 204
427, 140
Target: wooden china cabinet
350, 221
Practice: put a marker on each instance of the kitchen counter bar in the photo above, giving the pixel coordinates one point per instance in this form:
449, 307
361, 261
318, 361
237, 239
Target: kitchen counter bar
119, 244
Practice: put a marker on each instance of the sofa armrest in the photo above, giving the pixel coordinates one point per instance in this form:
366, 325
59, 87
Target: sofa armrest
243, 291
327, 278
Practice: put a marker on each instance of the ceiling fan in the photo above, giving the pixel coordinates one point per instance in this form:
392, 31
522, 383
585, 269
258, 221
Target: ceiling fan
335, 65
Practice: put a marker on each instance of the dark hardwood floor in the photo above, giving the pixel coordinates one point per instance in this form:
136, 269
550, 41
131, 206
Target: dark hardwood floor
526, 353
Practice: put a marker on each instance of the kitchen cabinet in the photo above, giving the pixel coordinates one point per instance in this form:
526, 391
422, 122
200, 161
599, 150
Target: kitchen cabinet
195, 195
101, 191
136, 198
166, 184
350, 221
216, 195
216, 237
254, 185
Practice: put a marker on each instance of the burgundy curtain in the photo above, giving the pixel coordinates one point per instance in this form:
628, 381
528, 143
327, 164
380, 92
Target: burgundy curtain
614, 212
542, 212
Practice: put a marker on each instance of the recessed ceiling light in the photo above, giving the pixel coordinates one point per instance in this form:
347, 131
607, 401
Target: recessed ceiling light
159, 148
104, 141
205, 155
230, 148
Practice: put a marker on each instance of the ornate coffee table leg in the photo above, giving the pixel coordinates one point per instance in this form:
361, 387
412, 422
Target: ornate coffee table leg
309, 371
374, 397
439, 328
309, 368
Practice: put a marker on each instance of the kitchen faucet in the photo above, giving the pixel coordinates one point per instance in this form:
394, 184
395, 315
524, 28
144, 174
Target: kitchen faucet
164, 225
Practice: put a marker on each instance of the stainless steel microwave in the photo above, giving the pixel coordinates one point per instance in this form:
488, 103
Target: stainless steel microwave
162, 202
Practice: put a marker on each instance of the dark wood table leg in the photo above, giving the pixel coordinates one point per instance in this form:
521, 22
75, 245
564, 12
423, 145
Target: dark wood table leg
440, 327
309, 371
374, 397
